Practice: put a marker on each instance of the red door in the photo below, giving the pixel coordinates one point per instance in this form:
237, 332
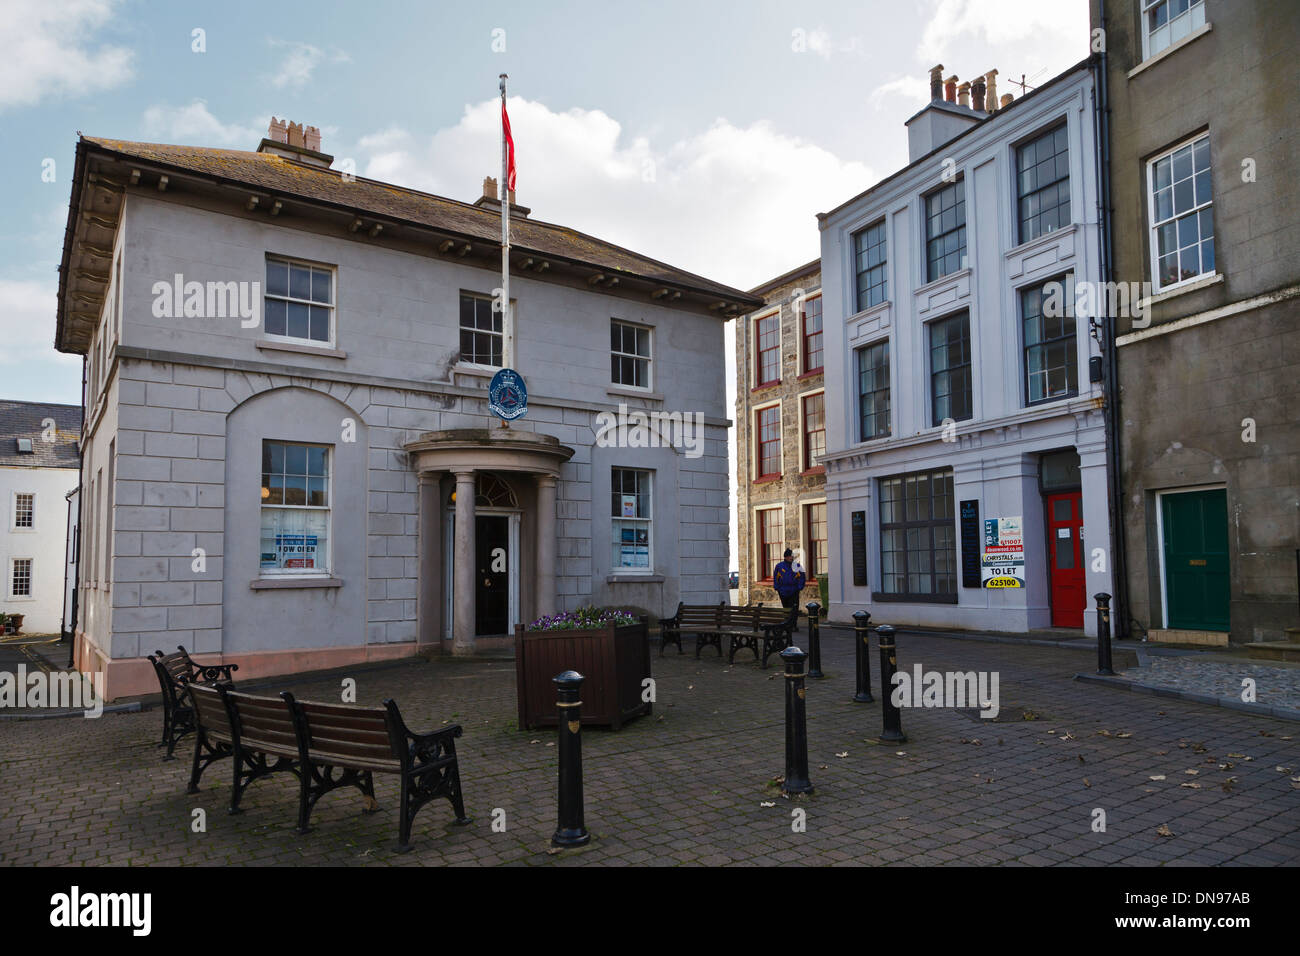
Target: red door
1065, 566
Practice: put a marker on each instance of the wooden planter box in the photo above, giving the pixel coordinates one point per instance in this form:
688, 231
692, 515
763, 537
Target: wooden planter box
614, 661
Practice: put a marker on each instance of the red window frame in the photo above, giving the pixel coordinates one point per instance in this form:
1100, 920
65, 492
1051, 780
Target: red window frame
767, 432
767, 348
813, 436
812, 339
771, 540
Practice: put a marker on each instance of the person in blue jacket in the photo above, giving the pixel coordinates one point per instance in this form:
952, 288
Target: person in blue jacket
788, 582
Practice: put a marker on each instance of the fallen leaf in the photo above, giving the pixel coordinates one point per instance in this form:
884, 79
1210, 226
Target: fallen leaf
1226, 766
1159, 776
1086, 783
767, 803
1104, 733
554, 850
1182, 746
690, 687
1236, 755
1191, 773
1164, 830
1066, 736
1266, 733
1081, 760
901, 753
1191, 786
1280, 769
534, 741
1122, 736
845, 754
1161, 753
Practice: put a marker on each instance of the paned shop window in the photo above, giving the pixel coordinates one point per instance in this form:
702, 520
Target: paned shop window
295, 535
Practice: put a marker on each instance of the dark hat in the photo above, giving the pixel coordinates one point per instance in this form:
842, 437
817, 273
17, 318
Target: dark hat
788, 553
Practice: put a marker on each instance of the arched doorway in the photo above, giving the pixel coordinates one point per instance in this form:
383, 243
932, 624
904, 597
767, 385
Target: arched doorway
497, 517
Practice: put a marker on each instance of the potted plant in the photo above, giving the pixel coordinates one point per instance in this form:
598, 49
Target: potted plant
608, 646
16, 622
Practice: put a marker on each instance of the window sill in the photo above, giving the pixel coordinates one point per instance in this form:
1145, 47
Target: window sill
815, 470
302, 349
913, 598
1192, 285
814, 373
1172, 48
466, 368
629, 392
632, 577
764, 386
766, 479
276, 584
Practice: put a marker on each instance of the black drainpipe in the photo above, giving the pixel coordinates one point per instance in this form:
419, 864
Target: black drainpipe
76, 535
1110, 386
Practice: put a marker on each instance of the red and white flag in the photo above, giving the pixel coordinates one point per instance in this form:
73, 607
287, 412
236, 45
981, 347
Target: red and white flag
510, 146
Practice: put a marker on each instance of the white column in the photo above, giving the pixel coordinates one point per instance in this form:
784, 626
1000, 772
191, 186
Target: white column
545, 557
429, 543
464, 570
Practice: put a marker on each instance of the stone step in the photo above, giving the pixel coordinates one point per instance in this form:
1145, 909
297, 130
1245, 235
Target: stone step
1274, 650
1172, 636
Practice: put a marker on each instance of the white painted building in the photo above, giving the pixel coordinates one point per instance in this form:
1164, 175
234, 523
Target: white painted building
307, 474
38, 469
951, 392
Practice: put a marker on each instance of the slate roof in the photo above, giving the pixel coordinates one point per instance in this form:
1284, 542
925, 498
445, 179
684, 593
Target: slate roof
284, 177
24, 420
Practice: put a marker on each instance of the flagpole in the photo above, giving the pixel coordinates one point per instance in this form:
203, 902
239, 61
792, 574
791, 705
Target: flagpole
505, 228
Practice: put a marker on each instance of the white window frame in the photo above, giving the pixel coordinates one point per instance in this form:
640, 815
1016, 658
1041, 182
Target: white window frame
31, 580
805, 539
780, 346
756, 445
1152, 225
648, 359
1146, 6
316, 572
507, 334
14, 526
621, 569
803, 427
760, 559
291, 261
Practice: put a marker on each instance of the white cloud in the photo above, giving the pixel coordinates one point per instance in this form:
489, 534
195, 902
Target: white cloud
1060, 28
194, 125
28, 307
734, 204
299, 60
914, 89
48, 51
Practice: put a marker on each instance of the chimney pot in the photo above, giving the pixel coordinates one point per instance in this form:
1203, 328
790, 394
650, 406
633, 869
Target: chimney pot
278, 131
977, 94
963, 95
295, 134
991, 83
950, 89
1006, 100
490, 188
311, 138
936, 82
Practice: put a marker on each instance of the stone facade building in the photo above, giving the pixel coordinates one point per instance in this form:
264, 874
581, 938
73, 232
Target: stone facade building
966, 466
781, 434
1204, 157
289, 459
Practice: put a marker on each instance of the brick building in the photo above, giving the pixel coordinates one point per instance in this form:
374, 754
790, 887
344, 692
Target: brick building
781, 433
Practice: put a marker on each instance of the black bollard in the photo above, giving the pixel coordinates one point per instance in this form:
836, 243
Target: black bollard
1103, 633
570, 831
796, 724
862, 655
814, 642
893, 717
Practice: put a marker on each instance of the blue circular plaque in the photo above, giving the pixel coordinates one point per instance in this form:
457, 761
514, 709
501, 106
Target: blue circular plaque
507, 395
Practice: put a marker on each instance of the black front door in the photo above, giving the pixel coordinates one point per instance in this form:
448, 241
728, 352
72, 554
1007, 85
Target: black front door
492, 543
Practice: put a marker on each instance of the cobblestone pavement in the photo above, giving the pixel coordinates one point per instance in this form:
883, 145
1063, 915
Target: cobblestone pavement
1219, 676
689, 784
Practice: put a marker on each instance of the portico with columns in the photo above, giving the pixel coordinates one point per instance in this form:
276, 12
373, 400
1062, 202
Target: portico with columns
487, 534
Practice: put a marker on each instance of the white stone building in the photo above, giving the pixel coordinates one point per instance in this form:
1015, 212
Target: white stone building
953, 396
289, 457
38, 469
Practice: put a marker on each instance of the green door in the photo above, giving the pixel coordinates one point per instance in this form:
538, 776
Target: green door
1196, 559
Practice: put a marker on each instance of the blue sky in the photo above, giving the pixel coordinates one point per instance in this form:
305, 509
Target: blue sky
706, 134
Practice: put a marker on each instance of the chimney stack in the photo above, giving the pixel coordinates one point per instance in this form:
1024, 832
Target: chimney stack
977, 94
490, 188
311, 138
296, 142
278, 131
936, 82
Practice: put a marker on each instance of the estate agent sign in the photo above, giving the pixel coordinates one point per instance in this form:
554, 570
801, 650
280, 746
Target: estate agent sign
1003, 563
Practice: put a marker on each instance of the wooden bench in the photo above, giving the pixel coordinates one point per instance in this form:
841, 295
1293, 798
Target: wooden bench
698, 619
326, 746
175, 672
764, 630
